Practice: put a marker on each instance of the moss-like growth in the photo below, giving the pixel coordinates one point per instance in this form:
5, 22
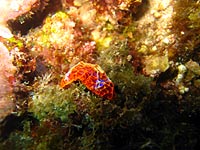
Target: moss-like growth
50, 101
130, 84
128, 32
186, 24
194, 17
114, 60
19, 139
114, 55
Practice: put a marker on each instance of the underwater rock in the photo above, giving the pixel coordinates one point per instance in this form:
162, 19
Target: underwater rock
31, 15
10, 10
194, 67
156, 38
5, 32
7, 71
14, 8
156, 64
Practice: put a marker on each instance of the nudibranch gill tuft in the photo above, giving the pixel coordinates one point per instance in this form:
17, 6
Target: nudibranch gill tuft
92, 76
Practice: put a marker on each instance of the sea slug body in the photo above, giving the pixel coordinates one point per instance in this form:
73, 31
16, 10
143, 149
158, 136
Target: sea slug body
92, 76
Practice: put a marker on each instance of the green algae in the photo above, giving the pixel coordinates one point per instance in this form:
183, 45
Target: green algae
194, 17
114, 60
186, 19
51, 101
129, 31
16, 42
19, 139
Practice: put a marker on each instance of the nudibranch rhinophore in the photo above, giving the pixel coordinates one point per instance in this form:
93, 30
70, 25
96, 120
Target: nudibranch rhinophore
92, 76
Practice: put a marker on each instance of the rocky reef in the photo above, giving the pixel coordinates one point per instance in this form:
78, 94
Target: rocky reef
7, 74
99, 74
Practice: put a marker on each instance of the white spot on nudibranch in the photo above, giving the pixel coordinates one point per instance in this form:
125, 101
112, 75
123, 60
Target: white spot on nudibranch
67, 76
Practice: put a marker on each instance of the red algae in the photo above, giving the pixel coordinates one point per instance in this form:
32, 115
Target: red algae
92, 76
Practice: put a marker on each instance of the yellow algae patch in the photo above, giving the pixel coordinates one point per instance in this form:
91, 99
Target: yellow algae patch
156, 64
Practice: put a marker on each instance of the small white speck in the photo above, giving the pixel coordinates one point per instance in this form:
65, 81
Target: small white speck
67, 76
166, 40
182, 32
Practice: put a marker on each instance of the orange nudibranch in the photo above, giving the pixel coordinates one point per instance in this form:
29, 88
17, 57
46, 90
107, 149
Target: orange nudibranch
92, 76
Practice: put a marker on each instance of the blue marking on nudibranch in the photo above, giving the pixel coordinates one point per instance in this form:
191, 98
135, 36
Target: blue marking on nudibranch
99, 83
